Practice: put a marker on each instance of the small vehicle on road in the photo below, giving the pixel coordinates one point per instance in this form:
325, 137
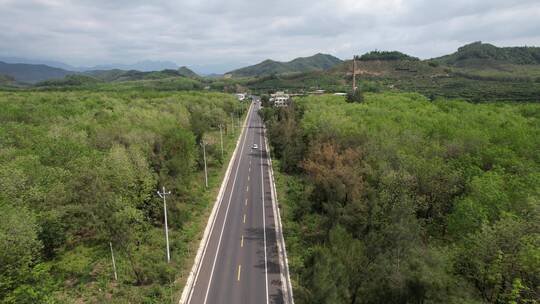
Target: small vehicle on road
254, 146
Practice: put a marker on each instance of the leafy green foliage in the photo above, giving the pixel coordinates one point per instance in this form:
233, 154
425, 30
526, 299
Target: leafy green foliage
404, 200
80, 169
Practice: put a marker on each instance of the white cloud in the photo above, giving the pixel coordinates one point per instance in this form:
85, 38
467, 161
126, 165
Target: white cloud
236, 32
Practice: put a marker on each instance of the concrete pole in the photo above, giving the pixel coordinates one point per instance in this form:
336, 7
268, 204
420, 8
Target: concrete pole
113, 262
221, 137
163, 195
354, 75
205, 168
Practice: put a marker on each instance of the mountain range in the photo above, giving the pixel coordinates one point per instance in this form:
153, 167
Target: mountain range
317, 62
475, 60
33, 73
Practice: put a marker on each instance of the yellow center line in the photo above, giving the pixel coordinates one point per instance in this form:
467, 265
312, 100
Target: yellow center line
242, 242
239, 270
244, 218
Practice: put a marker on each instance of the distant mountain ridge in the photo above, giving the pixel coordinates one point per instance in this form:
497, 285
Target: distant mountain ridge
143, 66
51, 63
35, 73
302, 64
32, 73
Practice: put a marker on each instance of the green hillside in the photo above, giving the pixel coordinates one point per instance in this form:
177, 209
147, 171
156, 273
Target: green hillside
316, 62
484, 52
118, 80
70, 80
121, 75
187, 72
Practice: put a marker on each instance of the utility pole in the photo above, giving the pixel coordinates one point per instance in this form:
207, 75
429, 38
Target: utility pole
113, 262
221, 137
232, 123
205, 168
354, 74
163, 195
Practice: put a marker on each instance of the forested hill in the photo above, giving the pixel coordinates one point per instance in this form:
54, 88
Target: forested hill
187, 72
317, 62
79, 172
486, 51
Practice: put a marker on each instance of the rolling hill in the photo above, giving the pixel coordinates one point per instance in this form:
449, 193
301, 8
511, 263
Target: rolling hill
317, 62
121, 75
31, 73
187, 72
477, 53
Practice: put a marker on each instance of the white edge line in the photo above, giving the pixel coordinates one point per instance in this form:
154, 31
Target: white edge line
188, 288
282, 251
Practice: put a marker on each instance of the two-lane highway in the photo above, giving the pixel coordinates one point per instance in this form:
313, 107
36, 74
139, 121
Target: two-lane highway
240, 261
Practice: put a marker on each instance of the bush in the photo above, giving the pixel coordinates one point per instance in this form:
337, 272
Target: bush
355, 97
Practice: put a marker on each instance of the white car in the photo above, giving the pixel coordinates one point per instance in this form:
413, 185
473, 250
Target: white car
254, 146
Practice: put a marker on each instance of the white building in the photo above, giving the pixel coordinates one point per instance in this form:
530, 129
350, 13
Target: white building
280, 99
240, 96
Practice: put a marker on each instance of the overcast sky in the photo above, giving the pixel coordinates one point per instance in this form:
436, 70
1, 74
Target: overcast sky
227, 34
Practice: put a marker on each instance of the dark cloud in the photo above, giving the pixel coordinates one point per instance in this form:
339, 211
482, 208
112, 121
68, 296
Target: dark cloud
226, 34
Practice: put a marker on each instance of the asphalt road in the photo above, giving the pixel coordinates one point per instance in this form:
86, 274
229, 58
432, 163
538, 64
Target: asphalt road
240, 260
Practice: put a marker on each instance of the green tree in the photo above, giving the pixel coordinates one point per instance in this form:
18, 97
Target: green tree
20, 251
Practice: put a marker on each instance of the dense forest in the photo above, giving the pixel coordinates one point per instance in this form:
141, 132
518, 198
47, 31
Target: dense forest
79, 171
402, 200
